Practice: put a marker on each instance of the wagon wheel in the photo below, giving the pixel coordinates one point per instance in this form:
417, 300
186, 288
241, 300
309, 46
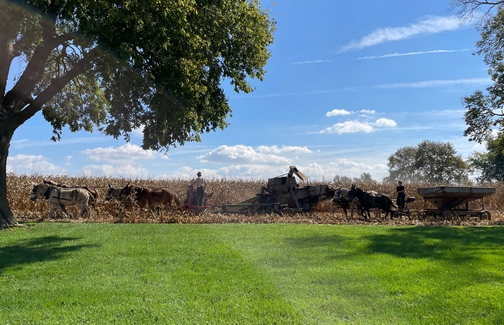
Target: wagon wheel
485, 215
288, 211
448, 215
414, 214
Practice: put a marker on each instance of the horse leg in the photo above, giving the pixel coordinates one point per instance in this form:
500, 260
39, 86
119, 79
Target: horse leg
60, 208
81, 212
84, 211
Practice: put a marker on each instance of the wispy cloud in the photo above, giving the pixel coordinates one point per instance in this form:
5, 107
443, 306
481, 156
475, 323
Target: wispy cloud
408, 54
313, 61
438, 83
430, 25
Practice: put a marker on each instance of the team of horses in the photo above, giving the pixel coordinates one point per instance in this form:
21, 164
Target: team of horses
144, 197
61, 195
356, 198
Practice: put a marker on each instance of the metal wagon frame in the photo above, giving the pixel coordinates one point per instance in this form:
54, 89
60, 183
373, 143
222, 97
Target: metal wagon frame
453, 201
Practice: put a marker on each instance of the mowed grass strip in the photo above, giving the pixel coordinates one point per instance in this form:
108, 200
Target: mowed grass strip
68, 273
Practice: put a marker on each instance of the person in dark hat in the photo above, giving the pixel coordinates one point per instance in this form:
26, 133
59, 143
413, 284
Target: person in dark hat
401, 195
200, 188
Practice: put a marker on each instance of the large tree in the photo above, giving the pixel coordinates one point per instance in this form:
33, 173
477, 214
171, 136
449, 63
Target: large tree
484, 109
489, 164
431, 162
119, 65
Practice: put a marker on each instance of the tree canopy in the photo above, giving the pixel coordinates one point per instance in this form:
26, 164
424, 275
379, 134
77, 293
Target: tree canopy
429, 161
489, 165
484, 114
364, 178
117, 65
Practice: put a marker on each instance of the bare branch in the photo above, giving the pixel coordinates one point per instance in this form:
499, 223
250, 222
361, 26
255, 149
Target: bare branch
470, 9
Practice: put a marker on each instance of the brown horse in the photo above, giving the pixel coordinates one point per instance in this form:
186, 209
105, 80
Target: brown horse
146, 198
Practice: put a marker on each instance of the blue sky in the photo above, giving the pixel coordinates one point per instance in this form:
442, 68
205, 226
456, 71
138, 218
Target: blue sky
348, 84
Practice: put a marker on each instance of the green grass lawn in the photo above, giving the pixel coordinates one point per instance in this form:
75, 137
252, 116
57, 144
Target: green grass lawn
64, 273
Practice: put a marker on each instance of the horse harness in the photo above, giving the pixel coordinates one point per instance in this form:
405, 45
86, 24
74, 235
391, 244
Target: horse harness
59, 198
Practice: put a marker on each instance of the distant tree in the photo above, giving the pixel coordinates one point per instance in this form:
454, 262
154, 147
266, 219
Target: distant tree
342, 180
402, 166
433, 162
489, 164
364, 178
347, 181
124, 65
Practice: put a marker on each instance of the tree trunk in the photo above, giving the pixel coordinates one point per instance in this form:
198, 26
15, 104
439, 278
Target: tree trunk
6, 217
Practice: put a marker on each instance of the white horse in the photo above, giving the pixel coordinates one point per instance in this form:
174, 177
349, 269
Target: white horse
58, 197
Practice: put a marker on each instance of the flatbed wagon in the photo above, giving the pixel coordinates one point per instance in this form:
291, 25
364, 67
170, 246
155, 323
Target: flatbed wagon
453, 201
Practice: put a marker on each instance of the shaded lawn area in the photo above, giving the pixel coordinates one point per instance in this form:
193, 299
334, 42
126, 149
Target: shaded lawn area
63, 273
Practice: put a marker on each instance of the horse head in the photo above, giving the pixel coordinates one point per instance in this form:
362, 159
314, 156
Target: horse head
355, 192
113, 193
39, 190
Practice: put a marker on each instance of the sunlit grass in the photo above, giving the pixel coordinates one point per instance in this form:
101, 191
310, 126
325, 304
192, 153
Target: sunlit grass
52, 273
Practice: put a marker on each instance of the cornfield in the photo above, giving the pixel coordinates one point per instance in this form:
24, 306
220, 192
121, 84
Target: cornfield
225, 191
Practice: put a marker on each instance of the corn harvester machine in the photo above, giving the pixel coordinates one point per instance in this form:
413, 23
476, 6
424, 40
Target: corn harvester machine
283, 194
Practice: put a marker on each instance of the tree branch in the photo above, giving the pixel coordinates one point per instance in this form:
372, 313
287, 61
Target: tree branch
467, 8
57, 84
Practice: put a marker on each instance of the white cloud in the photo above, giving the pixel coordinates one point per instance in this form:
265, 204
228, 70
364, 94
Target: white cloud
359, 127
129, 171
123, 154
367, 111
241, 154
438, 83
385, 122
349, 127
315, 171
338, 112
283, 149
350, 168
430, 25
30, 164
408, 54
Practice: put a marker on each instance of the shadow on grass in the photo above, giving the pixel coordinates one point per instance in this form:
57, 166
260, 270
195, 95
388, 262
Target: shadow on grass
37, 250
452, 244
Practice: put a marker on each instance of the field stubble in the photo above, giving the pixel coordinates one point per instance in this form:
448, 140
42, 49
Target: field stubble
225, 191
